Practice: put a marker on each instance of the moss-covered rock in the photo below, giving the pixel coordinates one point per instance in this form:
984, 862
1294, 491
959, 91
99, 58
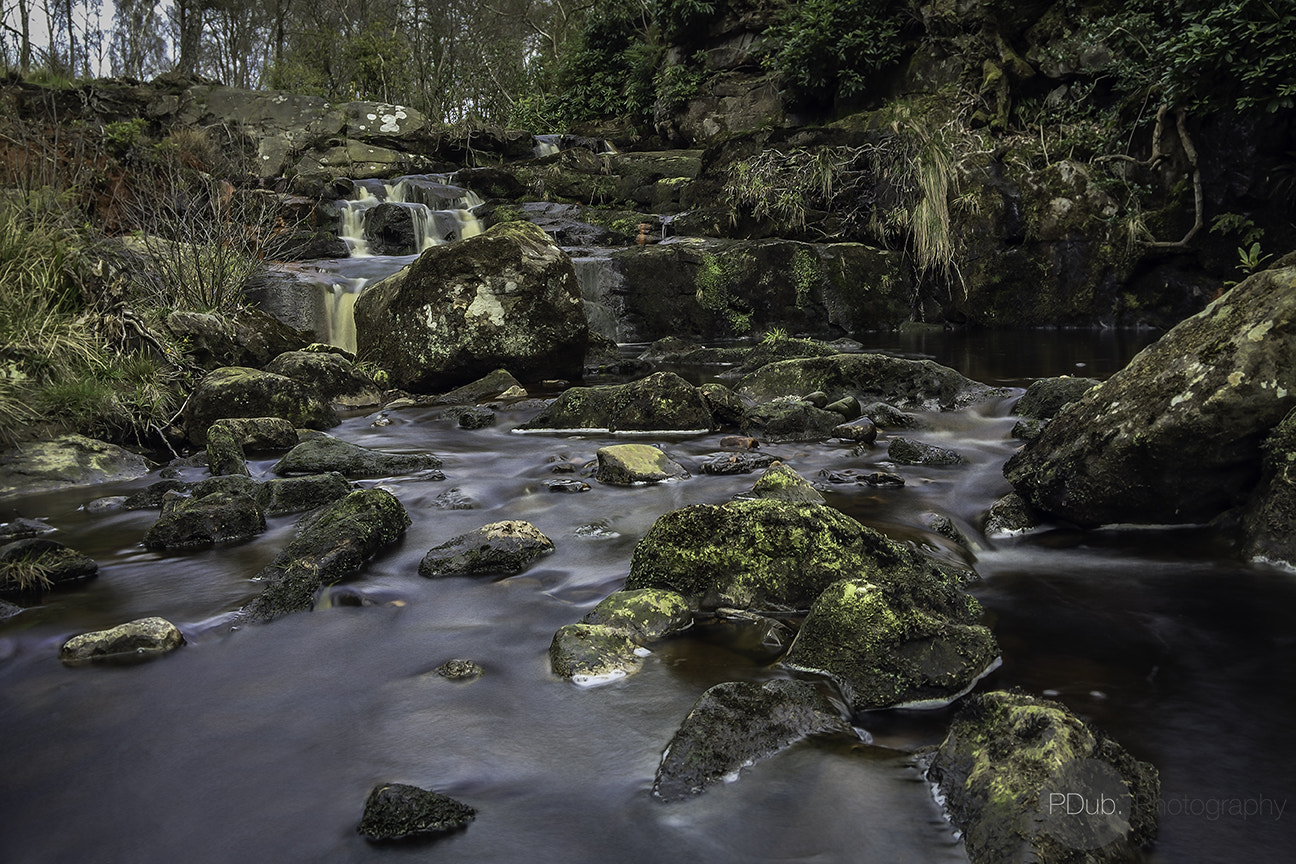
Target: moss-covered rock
258, 434
628, 464
883, 654
1269, 520
1006, 768
869, 378
331, 377
141, 639
33, 565
661, 402
330, 544
250, 337
1045, 397
734, 724
237, 391
590, 654
727, 407
224, 452
395, 811
577, 408
506, 298
1009, 515
907, 451
217, 513
781, 483
645, 614
65, 461
485, 388
502, 548
297, 494
789, 421
326, 454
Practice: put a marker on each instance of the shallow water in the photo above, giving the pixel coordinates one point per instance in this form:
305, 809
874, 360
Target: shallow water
264, 743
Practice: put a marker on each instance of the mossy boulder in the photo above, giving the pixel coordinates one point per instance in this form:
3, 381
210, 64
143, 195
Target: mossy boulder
32, 565
330, 544
869, 378
644, 615
727, 407
259, 434
501, 548
225, 452
330, 377
590, 654
66, 461
506, 298
485, 388
908, 451
1005, 770
1045, 397
395, 811
1009, 515
249, 337
297, 494
237, 391
628, 464
135, 640
1269, 519
325, 454
789, 421
768, 554
781, 483
733, 725
661, 402
576, 408
216, 513
882, 654
1175, 436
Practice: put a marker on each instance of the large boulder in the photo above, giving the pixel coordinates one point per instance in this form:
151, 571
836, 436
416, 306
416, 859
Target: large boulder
609, 642
296, 494
249, 337
661, 402
508, 297
65, 461
331, 377
237, 391
326, 454
215, 513
629, 464
734, 724
868, 378
1024, 779
330, 544
1176, 435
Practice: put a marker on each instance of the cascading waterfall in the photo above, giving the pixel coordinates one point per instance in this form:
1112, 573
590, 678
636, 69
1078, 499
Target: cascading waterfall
353, 216
340, 308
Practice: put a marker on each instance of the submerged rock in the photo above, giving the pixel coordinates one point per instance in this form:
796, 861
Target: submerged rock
627, 464
65, 461
1175, 436
503, 548
733, 725
395, 811
883, 653
33, 565
736, 463
237, 391
907, 451
141, 639
330, 544
868, 378
459, 669
1006, 768
325, 454
507, 298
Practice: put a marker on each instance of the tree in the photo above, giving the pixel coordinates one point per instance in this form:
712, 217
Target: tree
137, 47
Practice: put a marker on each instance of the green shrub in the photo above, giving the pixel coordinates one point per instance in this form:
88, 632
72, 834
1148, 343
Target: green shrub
823, 48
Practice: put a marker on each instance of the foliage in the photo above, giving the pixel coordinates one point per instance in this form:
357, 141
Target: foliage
122, 135
678, 83
786, 186
774, 336
834, 47
609, 71
682, 21
719, 291
28, 573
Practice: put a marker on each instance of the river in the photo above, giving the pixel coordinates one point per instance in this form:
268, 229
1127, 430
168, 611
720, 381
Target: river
262, 744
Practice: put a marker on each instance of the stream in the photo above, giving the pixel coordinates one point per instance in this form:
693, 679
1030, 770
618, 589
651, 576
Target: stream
262, 744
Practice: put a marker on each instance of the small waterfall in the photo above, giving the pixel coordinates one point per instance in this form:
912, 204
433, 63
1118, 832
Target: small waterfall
600, 281
353, 216
546, 145
339, 310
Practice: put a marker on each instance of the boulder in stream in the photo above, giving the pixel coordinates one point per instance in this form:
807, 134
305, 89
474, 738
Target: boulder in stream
297, 494
629, 464
324, 454
329, 376
868, 378
591, 654
502, 548
395, 811
783, 484
786, 420
134, 640
1269, 519
506, 298
661, 402
66, 461
33, 565
236, 391
214, 513
908, 451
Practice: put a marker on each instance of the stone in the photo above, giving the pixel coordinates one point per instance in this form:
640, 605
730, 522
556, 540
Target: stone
501, 548
781, 483
297, 494
736, 463
151, 496
505, 298
1006, 756
882, 653
477, 417
211, 515
907, 451
225, 452
591, 654
1008, 516
395, 811
885, 416
628, 464
727, 407
331, 543
733, 725
863, 432
140, 639
868, 378
1269, 518
566, 484
460, 670
67, 461
242, 392
790, 421
32, 565
1045, 397
22, 528
490, 386
327, 454
847, 406
1175, 436
247, 338
258, 434
330, 377
576, 409
645, 615
661, 402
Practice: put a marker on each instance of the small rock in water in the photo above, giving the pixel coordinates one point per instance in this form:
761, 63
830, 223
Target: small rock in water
141, 639
453, 499
883, 479
383, 420
864, 432
460, 670
910, 452
818, 399
567, 485
739, 442
501, 547
396, 810
19, 528
736, 463
479, 417
627, 464
104, 505
847, 406
554, 384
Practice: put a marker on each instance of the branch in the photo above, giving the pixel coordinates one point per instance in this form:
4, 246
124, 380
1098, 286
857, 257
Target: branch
1191, 152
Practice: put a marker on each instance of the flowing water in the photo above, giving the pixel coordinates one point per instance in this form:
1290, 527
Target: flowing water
262, 744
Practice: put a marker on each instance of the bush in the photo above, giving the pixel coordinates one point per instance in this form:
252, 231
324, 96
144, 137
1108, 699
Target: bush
827, 48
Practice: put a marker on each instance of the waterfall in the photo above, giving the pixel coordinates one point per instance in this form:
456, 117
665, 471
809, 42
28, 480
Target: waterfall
599, 281
339, 310
353, 216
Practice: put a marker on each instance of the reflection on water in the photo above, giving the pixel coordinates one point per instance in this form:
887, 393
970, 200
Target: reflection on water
263, 744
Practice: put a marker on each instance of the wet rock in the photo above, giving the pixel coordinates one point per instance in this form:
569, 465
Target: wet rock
225, 452
767, 554
644, 615
883, 479
22, 528
907, 451
502, 548
661, 402
298, 494
259, 434
627, 464
868, 378
790, 421
151, 497
330, 377
242, 392
141, 639
506, 298
566, 484
943, 525
460, 670
589, 654
217, 513
885, 416
736, 463
577, 409
66, 461
727, 407
1175, 436
1045, 397
883, 653
1009, 515
477, 417
1007, 756
395, 811
1028, 430
863, 432
327, 454
733, 725
781, 483
33, 565
847, 406
1269, 519
739, 442
490, 386
330, 544
818, 399
8, 610
248, 338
